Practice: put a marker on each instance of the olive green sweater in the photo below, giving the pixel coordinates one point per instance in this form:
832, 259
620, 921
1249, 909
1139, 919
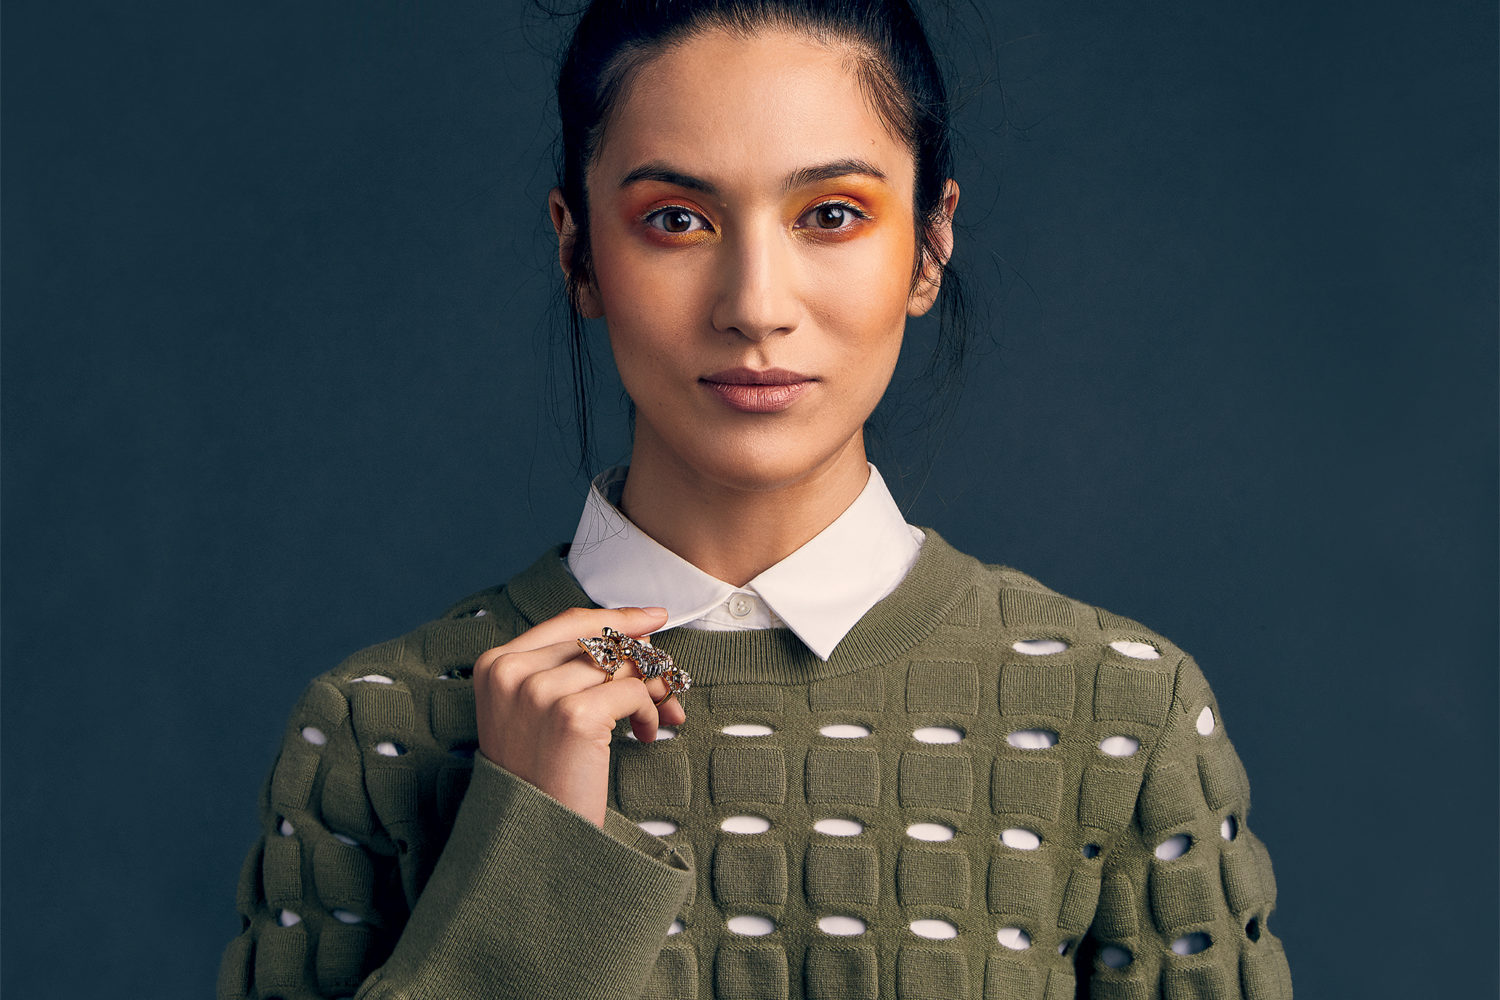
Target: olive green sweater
989, 791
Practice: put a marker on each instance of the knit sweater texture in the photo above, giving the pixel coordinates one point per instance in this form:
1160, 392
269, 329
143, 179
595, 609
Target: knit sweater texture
988, 792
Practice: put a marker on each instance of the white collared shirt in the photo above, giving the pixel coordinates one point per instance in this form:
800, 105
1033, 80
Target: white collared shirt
819, 591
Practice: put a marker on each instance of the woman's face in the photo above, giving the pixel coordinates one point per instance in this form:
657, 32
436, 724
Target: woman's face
753, 246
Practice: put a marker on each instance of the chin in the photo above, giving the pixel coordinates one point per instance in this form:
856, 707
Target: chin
767, 466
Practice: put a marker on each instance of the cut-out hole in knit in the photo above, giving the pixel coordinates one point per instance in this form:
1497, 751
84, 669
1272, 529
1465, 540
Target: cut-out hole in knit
938, 734
346, 917
1039, 647
464, 751
285, 827
1013, 938
1064, 945
841, 926
839, 827
750, 925
745, 824
1205, 722
386, 748
934, 930
662, 733
1032, 739
676, 928
1135, 650
931, 832
1115, 957
845, 731
288, 919
1173, 847
1091, 850
1020, 839
372, 679
1191, 944
1120, 746
344, 838
314, 735
658, 827
456, 674
1230, 828
746, 729
478, 613
1252, 929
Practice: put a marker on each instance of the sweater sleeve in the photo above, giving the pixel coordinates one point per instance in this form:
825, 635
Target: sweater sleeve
521, 898
1187, 887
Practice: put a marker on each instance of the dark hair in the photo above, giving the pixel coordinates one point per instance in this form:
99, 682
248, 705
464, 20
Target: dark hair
898, 73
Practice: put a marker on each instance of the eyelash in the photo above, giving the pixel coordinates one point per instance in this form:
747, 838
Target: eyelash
859, 214
650, 218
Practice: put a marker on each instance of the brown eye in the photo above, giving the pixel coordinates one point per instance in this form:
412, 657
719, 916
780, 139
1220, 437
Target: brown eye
676, 220
831, 216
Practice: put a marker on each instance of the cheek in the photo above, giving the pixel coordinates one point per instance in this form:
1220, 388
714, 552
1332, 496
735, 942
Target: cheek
645, 305
863, 294
625, 284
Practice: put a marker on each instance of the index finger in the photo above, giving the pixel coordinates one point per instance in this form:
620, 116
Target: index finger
576, 623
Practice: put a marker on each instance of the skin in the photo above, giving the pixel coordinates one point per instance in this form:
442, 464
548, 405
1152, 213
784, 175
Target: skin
546, 713
748, 210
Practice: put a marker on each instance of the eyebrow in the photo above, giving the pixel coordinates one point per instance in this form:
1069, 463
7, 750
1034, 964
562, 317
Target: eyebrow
798, 178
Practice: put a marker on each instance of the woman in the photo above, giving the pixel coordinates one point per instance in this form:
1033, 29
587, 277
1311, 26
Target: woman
898, 772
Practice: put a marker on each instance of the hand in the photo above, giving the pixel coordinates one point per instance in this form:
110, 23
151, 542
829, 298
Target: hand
546, 712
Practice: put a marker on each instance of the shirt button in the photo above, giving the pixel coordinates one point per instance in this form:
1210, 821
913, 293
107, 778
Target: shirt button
739, 605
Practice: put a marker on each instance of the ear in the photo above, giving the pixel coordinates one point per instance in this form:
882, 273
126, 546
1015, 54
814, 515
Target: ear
567, 231
926, 291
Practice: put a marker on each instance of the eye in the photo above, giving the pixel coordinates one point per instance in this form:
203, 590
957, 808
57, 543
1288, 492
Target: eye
831, 215
675, 219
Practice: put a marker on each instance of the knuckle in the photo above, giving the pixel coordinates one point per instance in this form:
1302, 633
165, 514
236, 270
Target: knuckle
501, 672
533, 690
486, 662
574, 716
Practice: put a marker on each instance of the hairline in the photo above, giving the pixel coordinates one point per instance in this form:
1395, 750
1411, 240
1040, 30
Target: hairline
861, 60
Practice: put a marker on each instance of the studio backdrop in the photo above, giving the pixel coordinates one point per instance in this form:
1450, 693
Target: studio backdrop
279, 382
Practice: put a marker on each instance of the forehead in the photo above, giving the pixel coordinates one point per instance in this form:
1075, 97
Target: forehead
745, 109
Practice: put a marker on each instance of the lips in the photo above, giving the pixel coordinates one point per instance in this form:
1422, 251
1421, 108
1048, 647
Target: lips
749, 376
750, 391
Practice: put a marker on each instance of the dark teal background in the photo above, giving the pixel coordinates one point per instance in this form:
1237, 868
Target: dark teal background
276, 288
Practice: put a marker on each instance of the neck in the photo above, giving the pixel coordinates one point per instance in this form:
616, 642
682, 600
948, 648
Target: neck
735, 530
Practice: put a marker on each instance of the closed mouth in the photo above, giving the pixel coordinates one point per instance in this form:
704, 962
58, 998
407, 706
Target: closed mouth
770, 390
750, 376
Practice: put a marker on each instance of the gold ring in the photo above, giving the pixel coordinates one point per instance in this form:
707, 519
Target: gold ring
610, 648
603, 649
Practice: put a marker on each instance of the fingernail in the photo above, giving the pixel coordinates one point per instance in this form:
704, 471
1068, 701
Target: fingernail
655, 611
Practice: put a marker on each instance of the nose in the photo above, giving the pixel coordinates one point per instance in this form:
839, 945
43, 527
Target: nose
757, 295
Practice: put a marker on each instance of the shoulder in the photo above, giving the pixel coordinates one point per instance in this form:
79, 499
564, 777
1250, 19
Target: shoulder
374, 744
446, 647
411, 696
1123, 670
1020, 604
1127, 702
437, 655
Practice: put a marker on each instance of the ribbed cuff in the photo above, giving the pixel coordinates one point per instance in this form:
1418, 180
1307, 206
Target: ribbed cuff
529, 899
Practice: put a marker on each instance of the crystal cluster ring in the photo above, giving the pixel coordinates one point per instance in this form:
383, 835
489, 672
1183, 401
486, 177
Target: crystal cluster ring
611, 648
603, 649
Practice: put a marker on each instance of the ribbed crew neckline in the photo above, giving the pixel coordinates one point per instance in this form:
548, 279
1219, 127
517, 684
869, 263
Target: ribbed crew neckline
908, 615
